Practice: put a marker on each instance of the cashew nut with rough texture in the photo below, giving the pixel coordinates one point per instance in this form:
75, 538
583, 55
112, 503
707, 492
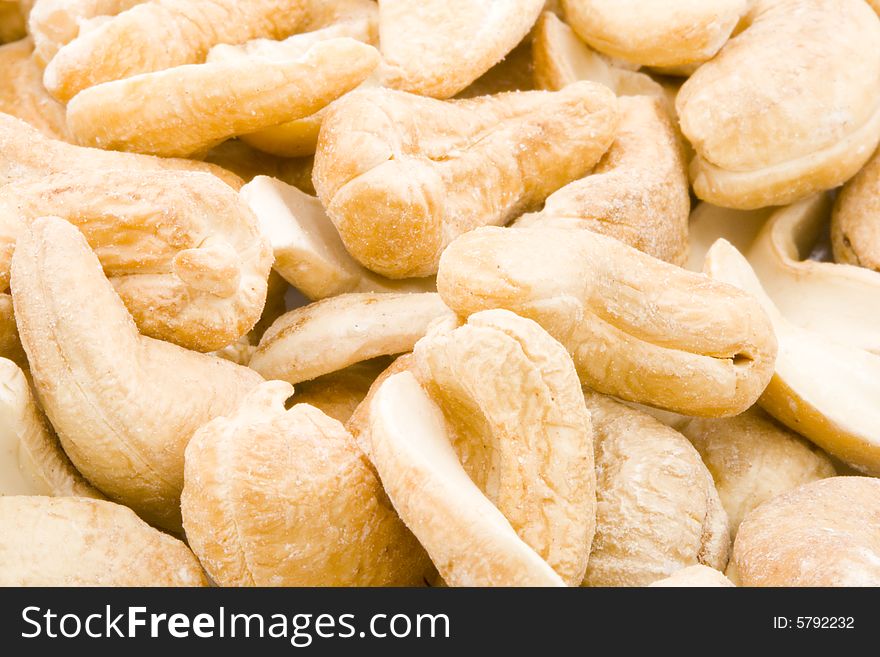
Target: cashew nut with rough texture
638, 328
401, 176
113, 395
276, 497
855, 233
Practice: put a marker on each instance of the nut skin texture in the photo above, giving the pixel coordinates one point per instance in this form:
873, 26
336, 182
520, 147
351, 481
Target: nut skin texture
184, 253
658, 510
22, 93
855, 233
753, 459
689, 32
515, 416
359, 326
438, 47
221, 99
71, 541
115, 397
468, 539
26, 153
126, 45
694, 576
638, 192
32, 461
55, 23
826, 533
637, 328
801, 104
277, 497
401, 176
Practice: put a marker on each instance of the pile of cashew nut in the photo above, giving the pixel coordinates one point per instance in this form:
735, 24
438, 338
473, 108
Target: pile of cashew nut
440, 292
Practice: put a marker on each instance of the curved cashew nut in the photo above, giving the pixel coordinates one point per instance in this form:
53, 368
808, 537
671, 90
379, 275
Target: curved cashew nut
308, 251
709, 222
182, 250
821, 534
469, 540
638, 328
358, 326
694, 576
855, 235
638, 193
824, 390
785, 131
32, 461
753, 459
396, 172
22, 93
55, 23
127, 44
276, 497
194, 107
72, 541
658, 510
27, 153
513, 413
113, 396
438, 47
689, 32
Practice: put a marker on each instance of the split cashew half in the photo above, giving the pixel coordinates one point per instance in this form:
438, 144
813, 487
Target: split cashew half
788, 107
823, 389
332, 334
276, 497
401, 176
113, 395
638, 328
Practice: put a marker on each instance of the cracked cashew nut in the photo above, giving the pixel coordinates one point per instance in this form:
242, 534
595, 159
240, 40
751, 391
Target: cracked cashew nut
438, 47
823, 389
127, 45
32, 461
638, 328
189, 109
308, 251
638, 192
752, 459
332, 334
276, 497
401, 176
73, 541
664, 34
115, 397
658, 510
822, 534
514, 418
788, 107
